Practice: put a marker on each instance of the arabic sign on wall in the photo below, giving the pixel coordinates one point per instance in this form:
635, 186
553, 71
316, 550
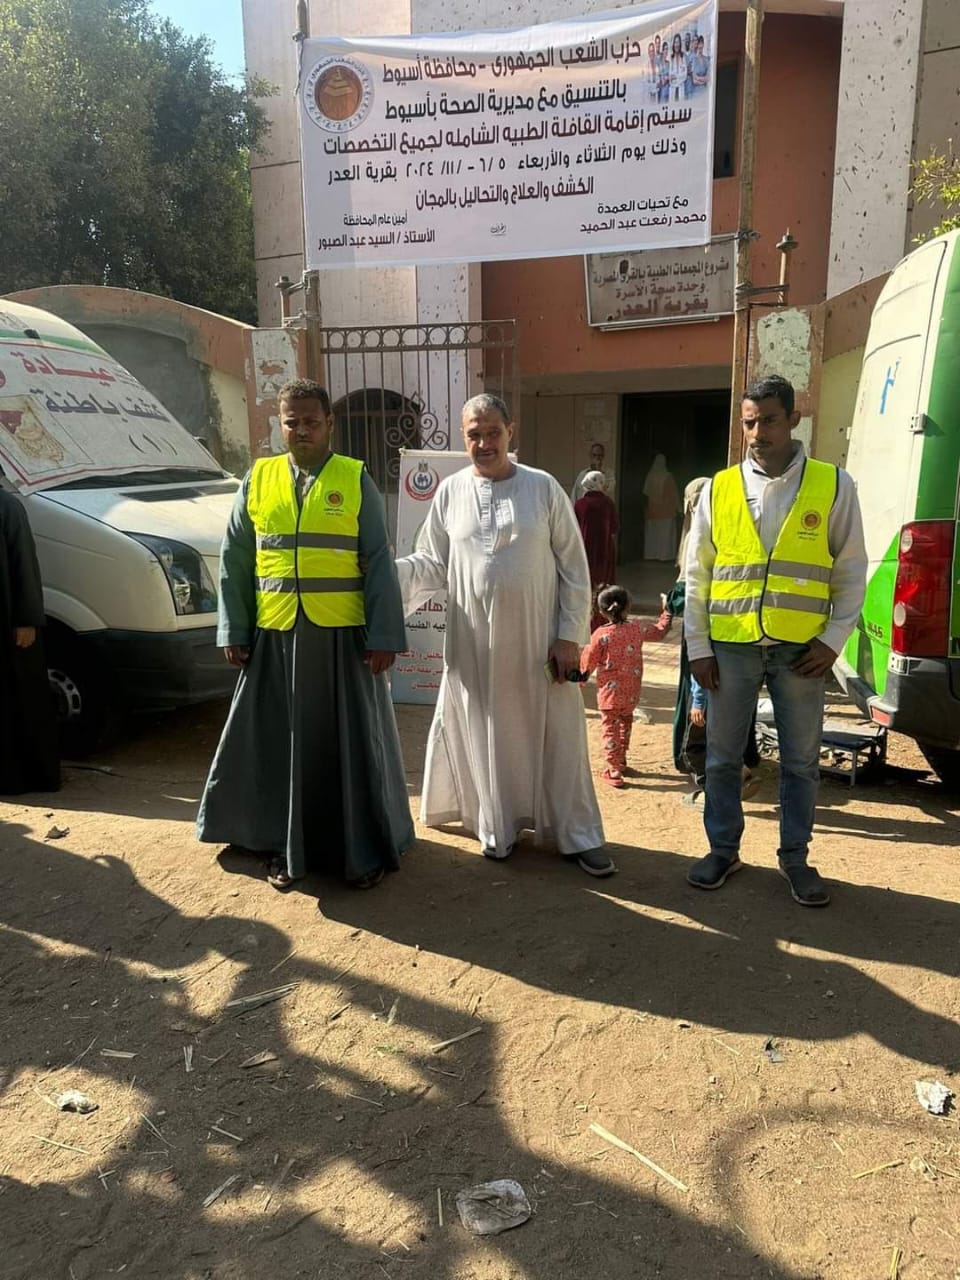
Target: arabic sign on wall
660, 286
68, 412
583, 136
416, 674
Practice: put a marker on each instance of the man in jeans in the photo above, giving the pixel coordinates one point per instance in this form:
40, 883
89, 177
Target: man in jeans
776, 571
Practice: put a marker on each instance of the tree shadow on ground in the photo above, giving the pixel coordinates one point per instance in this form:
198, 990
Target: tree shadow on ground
742, 967
142, 972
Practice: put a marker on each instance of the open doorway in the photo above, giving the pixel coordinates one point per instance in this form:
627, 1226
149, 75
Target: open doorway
690, 428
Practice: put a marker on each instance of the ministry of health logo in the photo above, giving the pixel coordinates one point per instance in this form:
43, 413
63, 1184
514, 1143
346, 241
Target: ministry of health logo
422, 483
338, 94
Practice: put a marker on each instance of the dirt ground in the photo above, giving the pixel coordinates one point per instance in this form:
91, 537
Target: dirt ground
637, 1004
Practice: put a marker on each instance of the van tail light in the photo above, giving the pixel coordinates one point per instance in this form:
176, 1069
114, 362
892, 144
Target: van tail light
921, 596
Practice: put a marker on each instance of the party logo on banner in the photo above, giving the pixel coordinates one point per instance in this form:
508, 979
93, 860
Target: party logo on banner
338, 94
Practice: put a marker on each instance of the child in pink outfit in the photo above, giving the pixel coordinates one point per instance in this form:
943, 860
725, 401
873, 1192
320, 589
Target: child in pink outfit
615, 652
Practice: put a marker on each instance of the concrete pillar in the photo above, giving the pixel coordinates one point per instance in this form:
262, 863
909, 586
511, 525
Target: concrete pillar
875, 126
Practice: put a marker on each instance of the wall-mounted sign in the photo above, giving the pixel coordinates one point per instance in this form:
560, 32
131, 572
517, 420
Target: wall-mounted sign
660, 286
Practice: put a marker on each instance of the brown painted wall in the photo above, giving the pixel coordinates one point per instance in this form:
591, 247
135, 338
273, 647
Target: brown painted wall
798, 107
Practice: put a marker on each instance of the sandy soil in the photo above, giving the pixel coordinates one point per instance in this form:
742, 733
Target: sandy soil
637, 1003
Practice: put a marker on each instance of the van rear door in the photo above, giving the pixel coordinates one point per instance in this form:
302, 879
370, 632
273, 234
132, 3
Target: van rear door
886, 441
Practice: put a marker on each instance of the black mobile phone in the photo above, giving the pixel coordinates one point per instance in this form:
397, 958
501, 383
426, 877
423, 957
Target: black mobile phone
574, 676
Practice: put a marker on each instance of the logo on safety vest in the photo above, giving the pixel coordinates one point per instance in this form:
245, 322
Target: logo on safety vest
334, 498
811, 520
421, 484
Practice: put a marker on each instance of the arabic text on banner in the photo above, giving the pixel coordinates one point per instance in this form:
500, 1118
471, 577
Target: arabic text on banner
661, 286
69, 414
596, 137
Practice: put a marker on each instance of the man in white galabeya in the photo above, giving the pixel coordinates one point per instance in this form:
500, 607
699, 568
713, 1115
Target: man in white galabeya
776, 571
597, 455
508, 747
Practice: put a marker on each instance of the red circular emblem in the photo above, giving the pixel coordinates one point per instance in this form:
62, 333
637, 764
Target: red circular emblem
422, 483
811, 520
335, 498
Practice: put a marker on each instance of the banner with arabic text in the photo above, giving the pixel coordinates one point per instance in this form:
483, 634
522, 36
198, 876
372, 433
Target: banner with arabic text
590, 135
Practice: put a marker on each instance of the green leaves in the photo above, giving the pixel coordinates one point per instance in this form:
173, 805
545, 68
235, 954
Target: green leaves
937, 182
123, 156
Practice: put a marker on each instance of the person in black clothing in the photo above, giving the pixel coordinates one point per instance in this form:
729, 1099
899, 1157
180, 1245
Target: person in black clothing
29, 746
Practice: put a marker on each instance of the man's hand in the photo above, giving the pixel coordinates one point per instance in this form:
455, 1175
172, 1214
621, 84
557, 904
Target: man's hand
238, 655
706, 672
698, 717
816, 662
379, 660
24, 637
565, 656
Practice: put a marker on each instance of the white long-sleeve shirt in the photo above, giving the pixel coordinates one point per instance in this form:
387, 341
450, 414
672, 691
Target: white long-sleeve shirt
769, 499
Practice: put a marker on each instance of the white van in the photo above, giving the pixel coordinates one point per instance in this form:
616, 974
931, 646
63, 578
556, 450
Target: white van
128, 511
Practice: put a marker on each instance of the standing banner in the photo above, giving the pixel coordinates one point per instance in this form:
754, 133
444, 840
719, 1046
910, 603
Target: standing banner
416, 673
590, 135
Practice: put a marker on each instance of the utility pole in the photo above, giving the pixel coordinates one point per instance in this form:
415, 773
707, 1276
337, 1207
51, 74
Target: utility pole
310, 318
745, 232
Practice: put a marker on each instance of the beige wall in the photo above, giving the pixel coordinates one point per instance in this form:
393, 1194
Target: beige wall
839, 379
558, 430
790, 342
820, 350
875, 121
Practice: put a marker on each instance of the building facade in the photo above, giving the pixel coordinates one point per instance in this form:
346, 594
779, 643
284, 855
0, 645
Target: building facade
850, 93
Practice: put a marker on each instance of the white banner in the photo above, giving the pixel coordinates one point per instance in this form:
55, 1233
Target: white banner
592, 135
416, 673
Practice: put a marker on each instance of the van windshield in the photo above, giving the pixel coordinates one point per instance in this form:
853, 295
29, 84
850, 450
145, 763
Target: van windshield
129, 479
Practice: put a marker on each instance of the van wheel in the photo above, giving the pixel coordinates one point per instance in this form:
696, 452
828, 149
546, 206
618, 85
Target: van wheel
88, 717
945, 764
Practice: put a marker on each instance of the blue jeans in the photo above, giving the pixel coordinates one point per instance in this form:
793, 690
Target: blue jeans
798, 712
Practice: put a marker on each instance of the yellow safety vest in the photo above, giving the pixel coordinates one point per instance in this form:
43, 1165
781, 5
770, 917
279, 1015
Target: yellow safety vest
307, 556
786, 595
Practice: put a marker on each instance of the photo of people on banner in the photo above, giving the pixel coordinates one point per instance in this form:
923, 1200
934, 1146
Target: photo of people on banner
679, 66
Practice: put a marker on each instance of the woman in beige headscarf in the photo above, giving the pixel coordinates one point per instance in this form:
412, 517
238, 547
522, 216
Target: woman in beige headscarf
663, 507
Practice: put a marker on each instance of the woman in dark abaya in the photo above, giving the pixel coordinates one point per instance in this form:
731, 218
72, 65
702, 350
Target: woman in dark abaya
599, 526
29, 748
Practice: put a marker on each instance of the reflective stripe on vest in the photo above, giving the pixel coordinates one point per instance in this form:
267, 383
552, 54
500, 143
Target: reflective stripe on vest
783, 596
307, 557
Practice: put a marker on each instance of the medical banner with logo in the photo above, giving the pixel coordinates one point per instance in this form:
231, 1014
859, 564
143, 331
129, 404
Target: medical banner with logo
416, 673
591, 135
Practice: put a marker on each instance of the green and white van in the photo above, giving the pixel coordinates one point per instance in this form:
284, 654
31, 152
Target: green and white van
902, 664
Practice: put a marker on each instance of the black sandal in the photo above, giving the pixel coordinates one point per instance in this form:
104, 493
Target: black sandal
369, 881
278, 876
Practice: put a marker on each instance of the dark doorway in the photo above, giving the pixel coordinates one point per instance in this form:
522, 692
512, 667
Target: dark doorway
690, 428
